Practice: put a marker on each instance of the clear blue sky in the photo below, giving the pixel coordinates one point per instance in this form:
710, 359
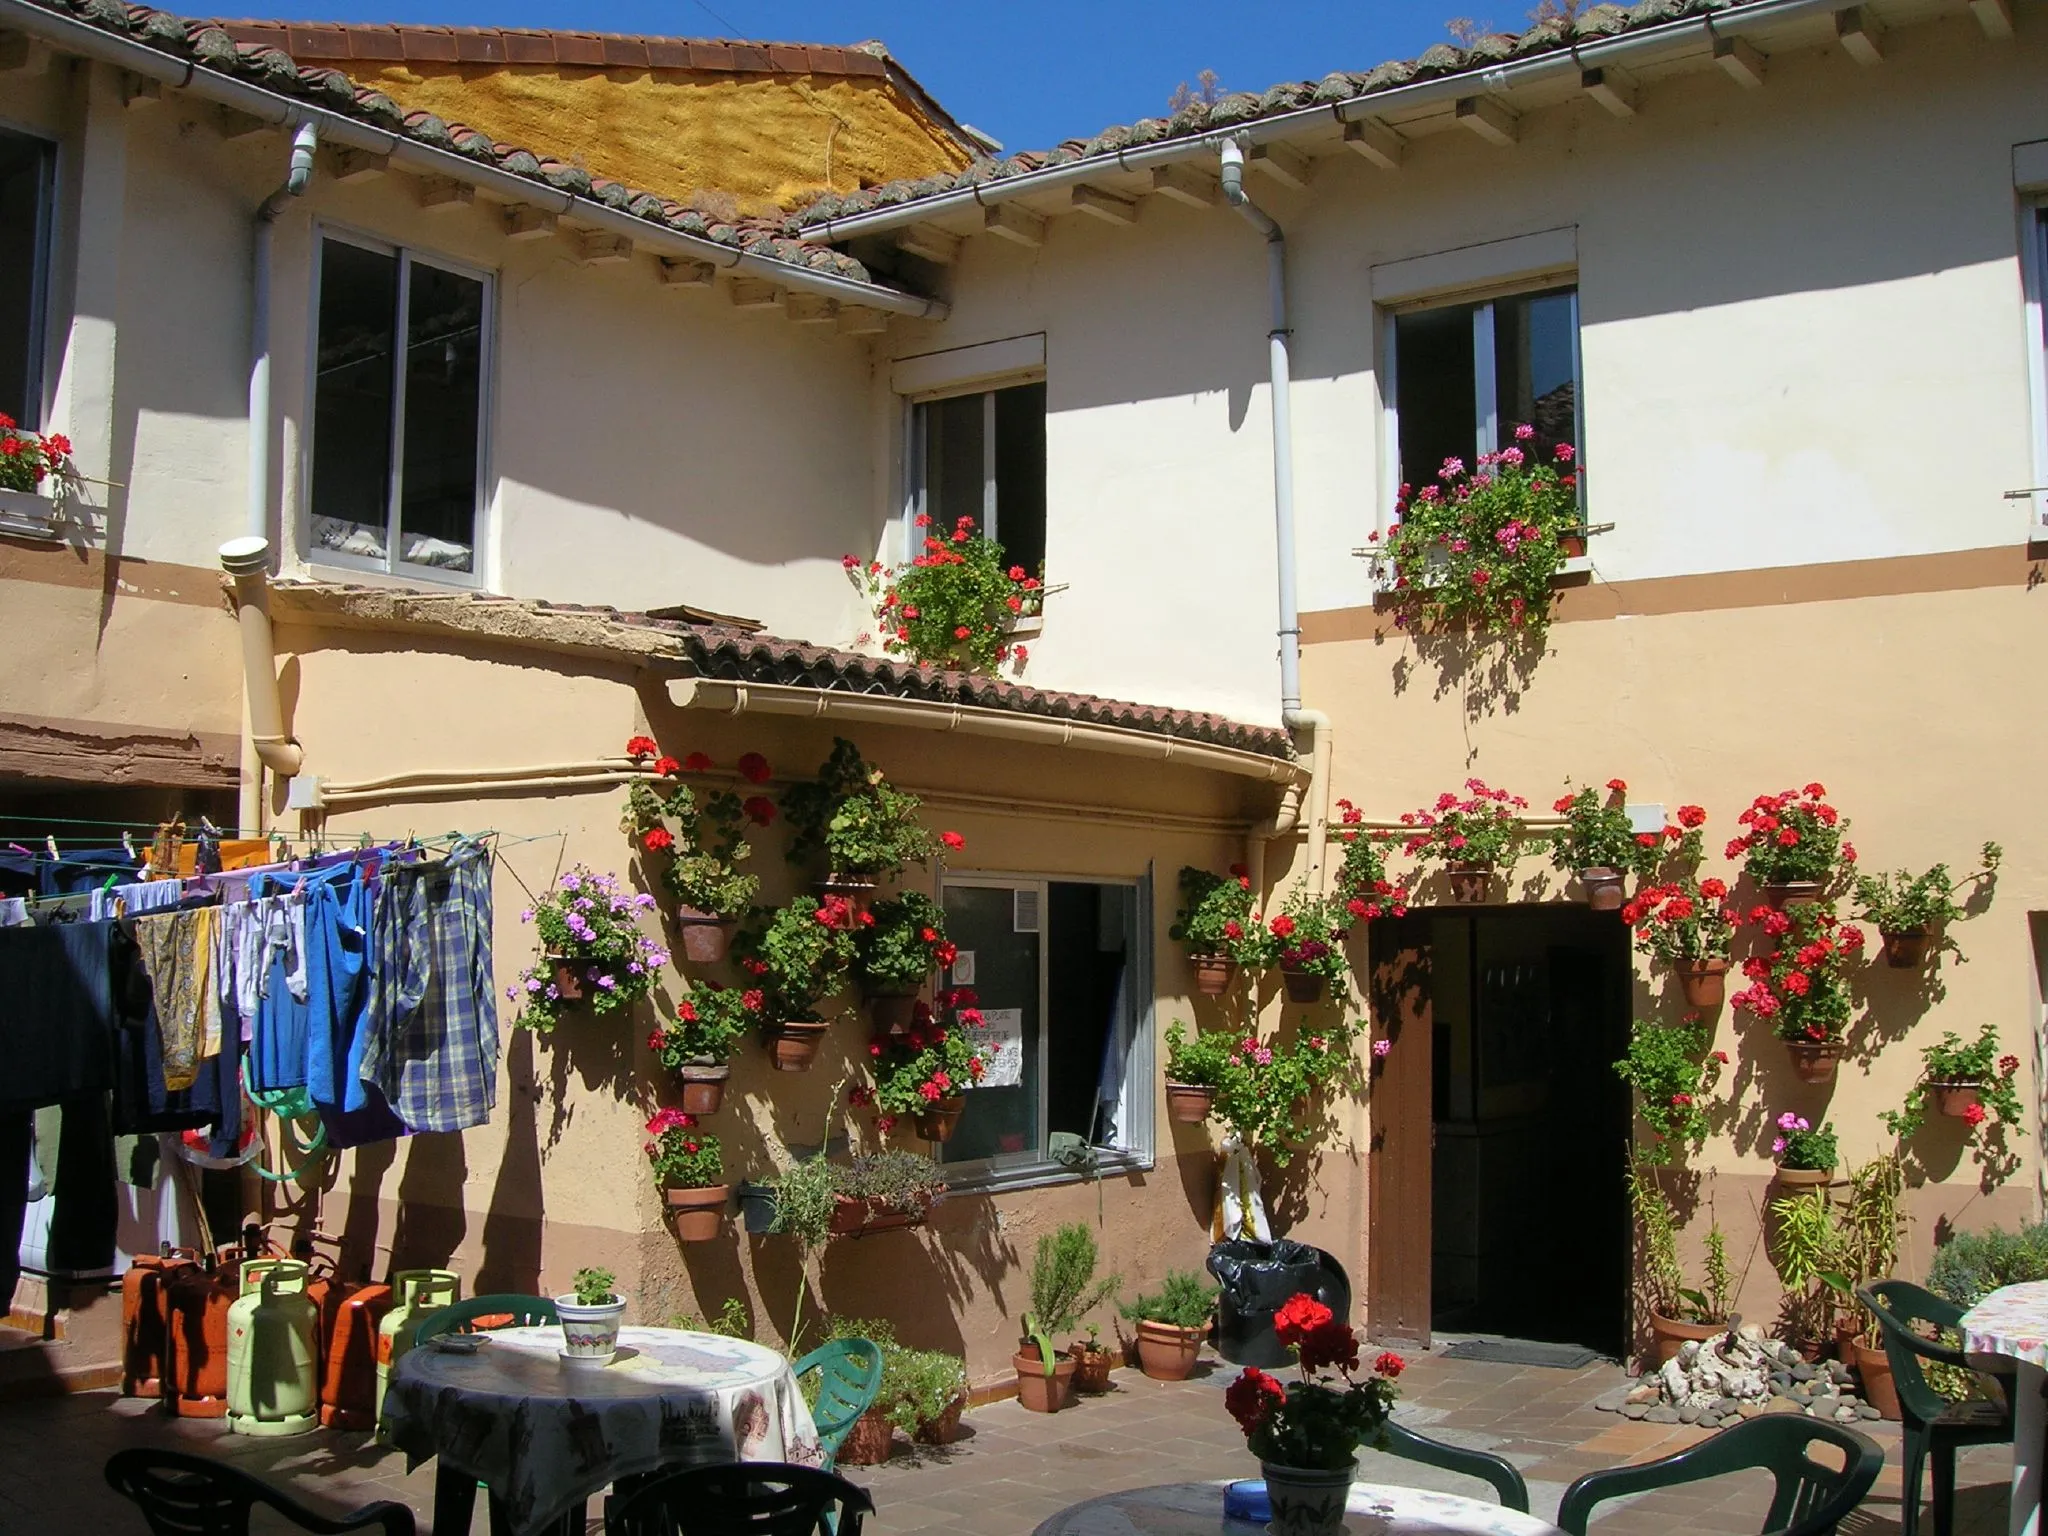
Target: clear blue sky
1031, 74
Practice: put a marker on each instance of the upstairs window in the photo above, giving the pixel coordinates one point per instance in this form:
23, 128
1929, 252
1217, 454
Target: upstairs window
1465, 375
26, 166
982, 457
398, 429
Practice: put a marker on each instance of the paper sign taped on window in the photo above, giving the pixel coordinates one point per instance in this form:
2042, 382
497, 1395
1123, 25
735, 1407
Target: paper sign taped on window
1001, 1041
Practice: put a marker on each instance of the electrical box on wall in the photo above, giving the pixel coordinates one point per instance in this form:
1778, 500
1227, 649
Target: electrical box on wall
1645, 818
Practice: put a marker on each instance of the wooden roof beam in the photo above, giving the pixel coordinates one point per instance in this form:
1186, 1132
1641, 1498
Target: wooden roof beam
1375, 141
1612, 89
1489, 119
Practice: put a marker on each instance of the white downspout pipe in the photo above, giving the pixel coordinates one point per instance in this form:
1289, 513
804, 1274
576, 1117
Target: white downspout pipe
257, 522
1316, 799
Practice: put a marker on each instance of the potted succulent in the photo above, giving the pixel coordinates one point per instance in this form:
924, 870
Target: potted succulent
690, 1169
1971, 1083
1806, 1157
1673, 1074
695, 1043
884, 1190
1213, 922
1800, 989
1306, 1434
1792, 846
1471, 837
1196, 1071
1690, 925
864, 827
1601, 849
1361, 881
590, 1317
1093, 1361
591, 950
1172, 1322
895, 953
955, 603
1906, 908
1677, 1312
927, 1072
1304, 941
700, 844
798, 955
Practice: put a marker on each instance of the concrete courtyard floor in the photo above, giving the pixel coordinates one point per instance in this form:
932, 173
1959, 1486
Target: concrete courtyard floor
1012, 1469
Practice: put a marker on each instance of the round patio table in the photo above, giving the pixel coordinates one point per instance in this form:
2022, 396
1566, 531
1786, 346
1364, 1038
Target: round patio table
544, 1435
1374, 1509
2012, 1324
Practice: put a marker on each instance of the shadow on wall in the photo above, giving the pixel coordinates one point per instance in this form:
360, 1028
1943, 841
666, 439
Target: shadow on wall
512, 1224
1486, 674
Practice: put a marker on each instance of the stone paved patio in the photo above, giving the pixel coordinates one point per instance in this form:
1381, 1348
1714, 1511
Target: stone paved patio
1013, 1469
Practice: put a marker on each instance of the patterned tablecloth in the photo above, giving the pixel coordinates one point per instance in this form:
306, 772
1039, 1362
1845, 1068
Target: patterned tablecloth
2012, 1322
1374, 1509
545, 1435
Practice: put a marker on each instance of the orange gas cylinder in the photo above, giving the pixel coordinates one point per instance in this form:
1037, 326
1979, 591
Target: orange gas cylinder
349, 1315
196, 1338
145, 1313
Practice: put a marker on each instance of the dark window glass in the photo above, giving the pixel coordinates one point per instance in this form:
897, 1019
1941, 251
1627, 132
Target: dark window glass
1535, 374
999, 1121
956, 467
24, 234
352, 399
1434, 379
443, 400
1020, 475
954, 462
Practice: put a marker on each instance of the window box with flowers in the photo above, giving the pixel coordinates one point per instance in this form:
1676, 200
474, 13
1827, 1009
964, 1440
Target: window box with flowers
1216, 924
895, 954
1970, 1083
33, 471
591, 950
1690, 925
1305, 941
1793, 847
695, 1043
958, 603
1906, 908
1800, 989
865, 829
1673, 1074
689, 1167
1472, 838
1600, 846
926, 1072
702, 854
797, 956
1806, 1157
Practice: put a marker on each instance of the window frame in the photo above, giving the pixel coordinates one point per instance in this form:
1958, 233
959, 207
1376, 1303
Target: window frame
979, 1176
392, 565
35, 394
2033, 286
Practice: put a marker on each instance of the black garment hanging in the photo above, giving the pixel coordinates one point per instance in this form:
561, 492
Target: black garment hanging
56, 1013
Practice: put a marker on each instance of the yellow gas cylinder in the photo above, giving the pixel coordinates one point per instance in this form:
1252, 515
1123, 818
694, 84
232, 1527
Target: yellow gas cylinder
273, 1351
419, 1294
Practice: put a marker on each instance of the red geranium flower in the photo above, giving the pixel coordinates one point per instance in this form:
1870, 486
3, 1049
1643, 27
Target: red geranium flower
1252, 1397
1691, 816
697, 762
754, 768
753, 1000
667, 767
641, 746
953, 840
658, 838
1390, 1364
1619, 786
1299, 1316
1283, 928
760, 809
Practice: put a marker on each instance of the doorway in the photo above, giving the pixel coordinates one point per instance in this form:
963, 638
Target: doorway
1499, 1128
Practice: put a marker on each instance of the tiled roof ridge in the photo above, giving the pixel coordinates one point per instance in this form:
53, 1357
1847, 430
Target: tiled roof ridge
1242, 108
206, 45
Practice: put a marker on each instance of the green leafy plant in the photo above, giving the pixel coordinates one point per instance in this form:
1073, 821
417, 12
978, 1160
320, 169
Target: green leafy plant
1265, 1102
1869, 1226
1673, 1076
1971, 1265
1182, 1301
905, 943
798, 955
27, 458
682, 1156
1362, 881
1063, 1285
1215, 916
1807, 1246
1949, 1062
1799, 1145
1793, 837
732, 1321
1307, 934
1321, 1420
1903, 902
699, 840
1480, 548
586, 922
1483, 828
806, 1199
1685, 921
1659, 1275
702, 1033
918, 1385
954, 603
1802, 988
1597, 834
863, 825
1718, 1277
934, 1060
593, 1287
906, 1182
1207, 1061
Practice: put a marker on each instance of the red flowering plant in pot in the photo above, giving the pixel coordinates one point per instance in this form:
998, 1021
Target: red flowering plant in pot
903, 944
1801, 989
925, 1072
1306, 1433
1690, 925
1674, 1075
797, 955
955, 603
865, 829
699, 842
696, 1042
1600, 846
1471, 837
1968, 1082
1362, 881
689, 1167
1305, 941
1793, 847
1481, 547
30, 461
1217, 925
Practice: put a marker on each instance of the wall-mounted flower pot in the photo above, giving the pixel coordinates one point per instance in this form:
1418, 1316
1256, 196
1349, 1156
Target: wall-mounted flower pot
1572, 544
1956, 1100
858, 891
1603, 888
1668, 1334
1213, 974
1168, 1353
1704, 982
870, 1441
705, 936
1302, 986
757, 1207
568, 977
1091, 1367
891, 1011
1792, 893
1906, 949
698, 1215
1803, 1179
859, 1218
1815, 1061
793, 1045
1037, 1391
937, 1122
1189, 1103
1469, 882
703, 1087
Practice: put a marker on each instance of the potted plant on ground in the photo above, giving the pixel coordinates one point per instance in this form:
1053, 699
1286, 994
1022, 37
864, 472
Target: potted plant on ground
591, 950
894, 955
695, 1043
1266, 1100
700, 846
1970, 1083
690, 1170
1093, 1361
1677, 1312
1601, 848
1806, 1157
863, 827
1871, 1225
590, 1317
1906, 908
1196, 1071
1172, 1322
1306, 1434
955, 603
1305, 941
1793, 846
1690, 925
1800, 989
1362, 882
1063, 1291
798, 956
924, 1392
1214, 923
880, 1191
925, 1073
1471, 837
1673, 1074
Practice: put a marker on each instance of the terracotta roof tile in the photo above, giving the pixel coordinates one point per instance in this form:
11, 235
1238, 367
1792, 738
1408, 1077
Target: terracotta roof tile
579, 48
625, 52
529, 48
435, 46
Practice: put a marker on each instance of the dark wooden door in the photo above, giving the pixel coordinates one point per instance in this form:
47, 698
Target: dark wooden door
1402, 1136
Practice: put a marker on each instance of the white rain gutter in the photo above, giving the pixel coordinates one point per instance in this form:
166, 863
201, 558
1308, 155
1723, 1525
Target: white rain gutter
1495, 81
247, 561
304, 142
66, 35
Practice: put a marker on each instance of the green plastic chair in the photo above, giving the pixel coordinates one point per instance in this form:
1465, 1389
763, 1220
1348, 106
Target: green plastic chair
1931, 1422
1810, 1497
524, 1311
1399, 1440
748, 1498
849, 1379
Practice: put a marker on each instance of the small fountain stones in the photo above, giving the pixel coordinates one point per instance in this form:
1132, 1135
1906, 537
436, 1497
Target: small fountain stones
1735, 1376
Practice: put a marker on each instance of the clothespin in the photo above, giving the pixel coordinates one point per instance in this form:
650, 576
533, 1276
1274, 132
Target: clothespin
363, 843
206, 825
128, 842
50, 843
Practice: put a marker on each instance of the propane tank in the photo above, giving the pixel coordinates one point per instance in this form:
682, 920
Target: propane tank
273, 1351
420, 1293
350, 1316
145, 1320
195, 1362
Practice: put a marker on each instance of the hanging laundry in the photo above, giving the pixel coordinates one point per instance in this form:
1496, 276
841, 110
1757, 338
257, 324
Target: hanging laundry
13, 912
56, 1012
338, 920
277, 1057
144, 896
78, 872
177, 956
226, 853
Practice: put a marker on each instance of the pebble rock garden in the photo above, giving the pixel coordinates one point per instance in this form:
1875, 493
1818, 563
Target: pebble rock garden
1739, 1375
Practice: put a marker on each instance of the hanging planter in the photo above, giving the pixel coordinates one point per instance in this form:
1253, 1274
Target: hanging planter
697, 1214
1603, 888
1957, 1099
1791, 893
705, 936
937, 1123
689, 1165
1803, 1178
703, 1087
1815, 1060
853, 1216
793, 1044
568, 977
857, 891
1703, 982
1213, 974
1302, 986
1469, 882
1189, 1103
891, 1011
1906, 949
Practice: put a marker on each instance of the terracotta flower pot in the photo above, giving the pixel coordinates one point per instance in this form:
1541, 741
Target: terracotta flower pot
945, 1429
1906, 949
1469, 882
1792, 893
1189, 1103
1572, 545
1302, 986
793, 1046
1815, 1061
1803, 1179
892, 1011
1874, 1370
1167, 1353
858, 890
1091, 1367
1603, 888
568, 977
1037, 1391
698, 1215
706, 936
703, 1087
936, 1123
1704, 982
1956, 1100
859, 1218
1667, 1334
870, 1441
1307, 1501
1213, 974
